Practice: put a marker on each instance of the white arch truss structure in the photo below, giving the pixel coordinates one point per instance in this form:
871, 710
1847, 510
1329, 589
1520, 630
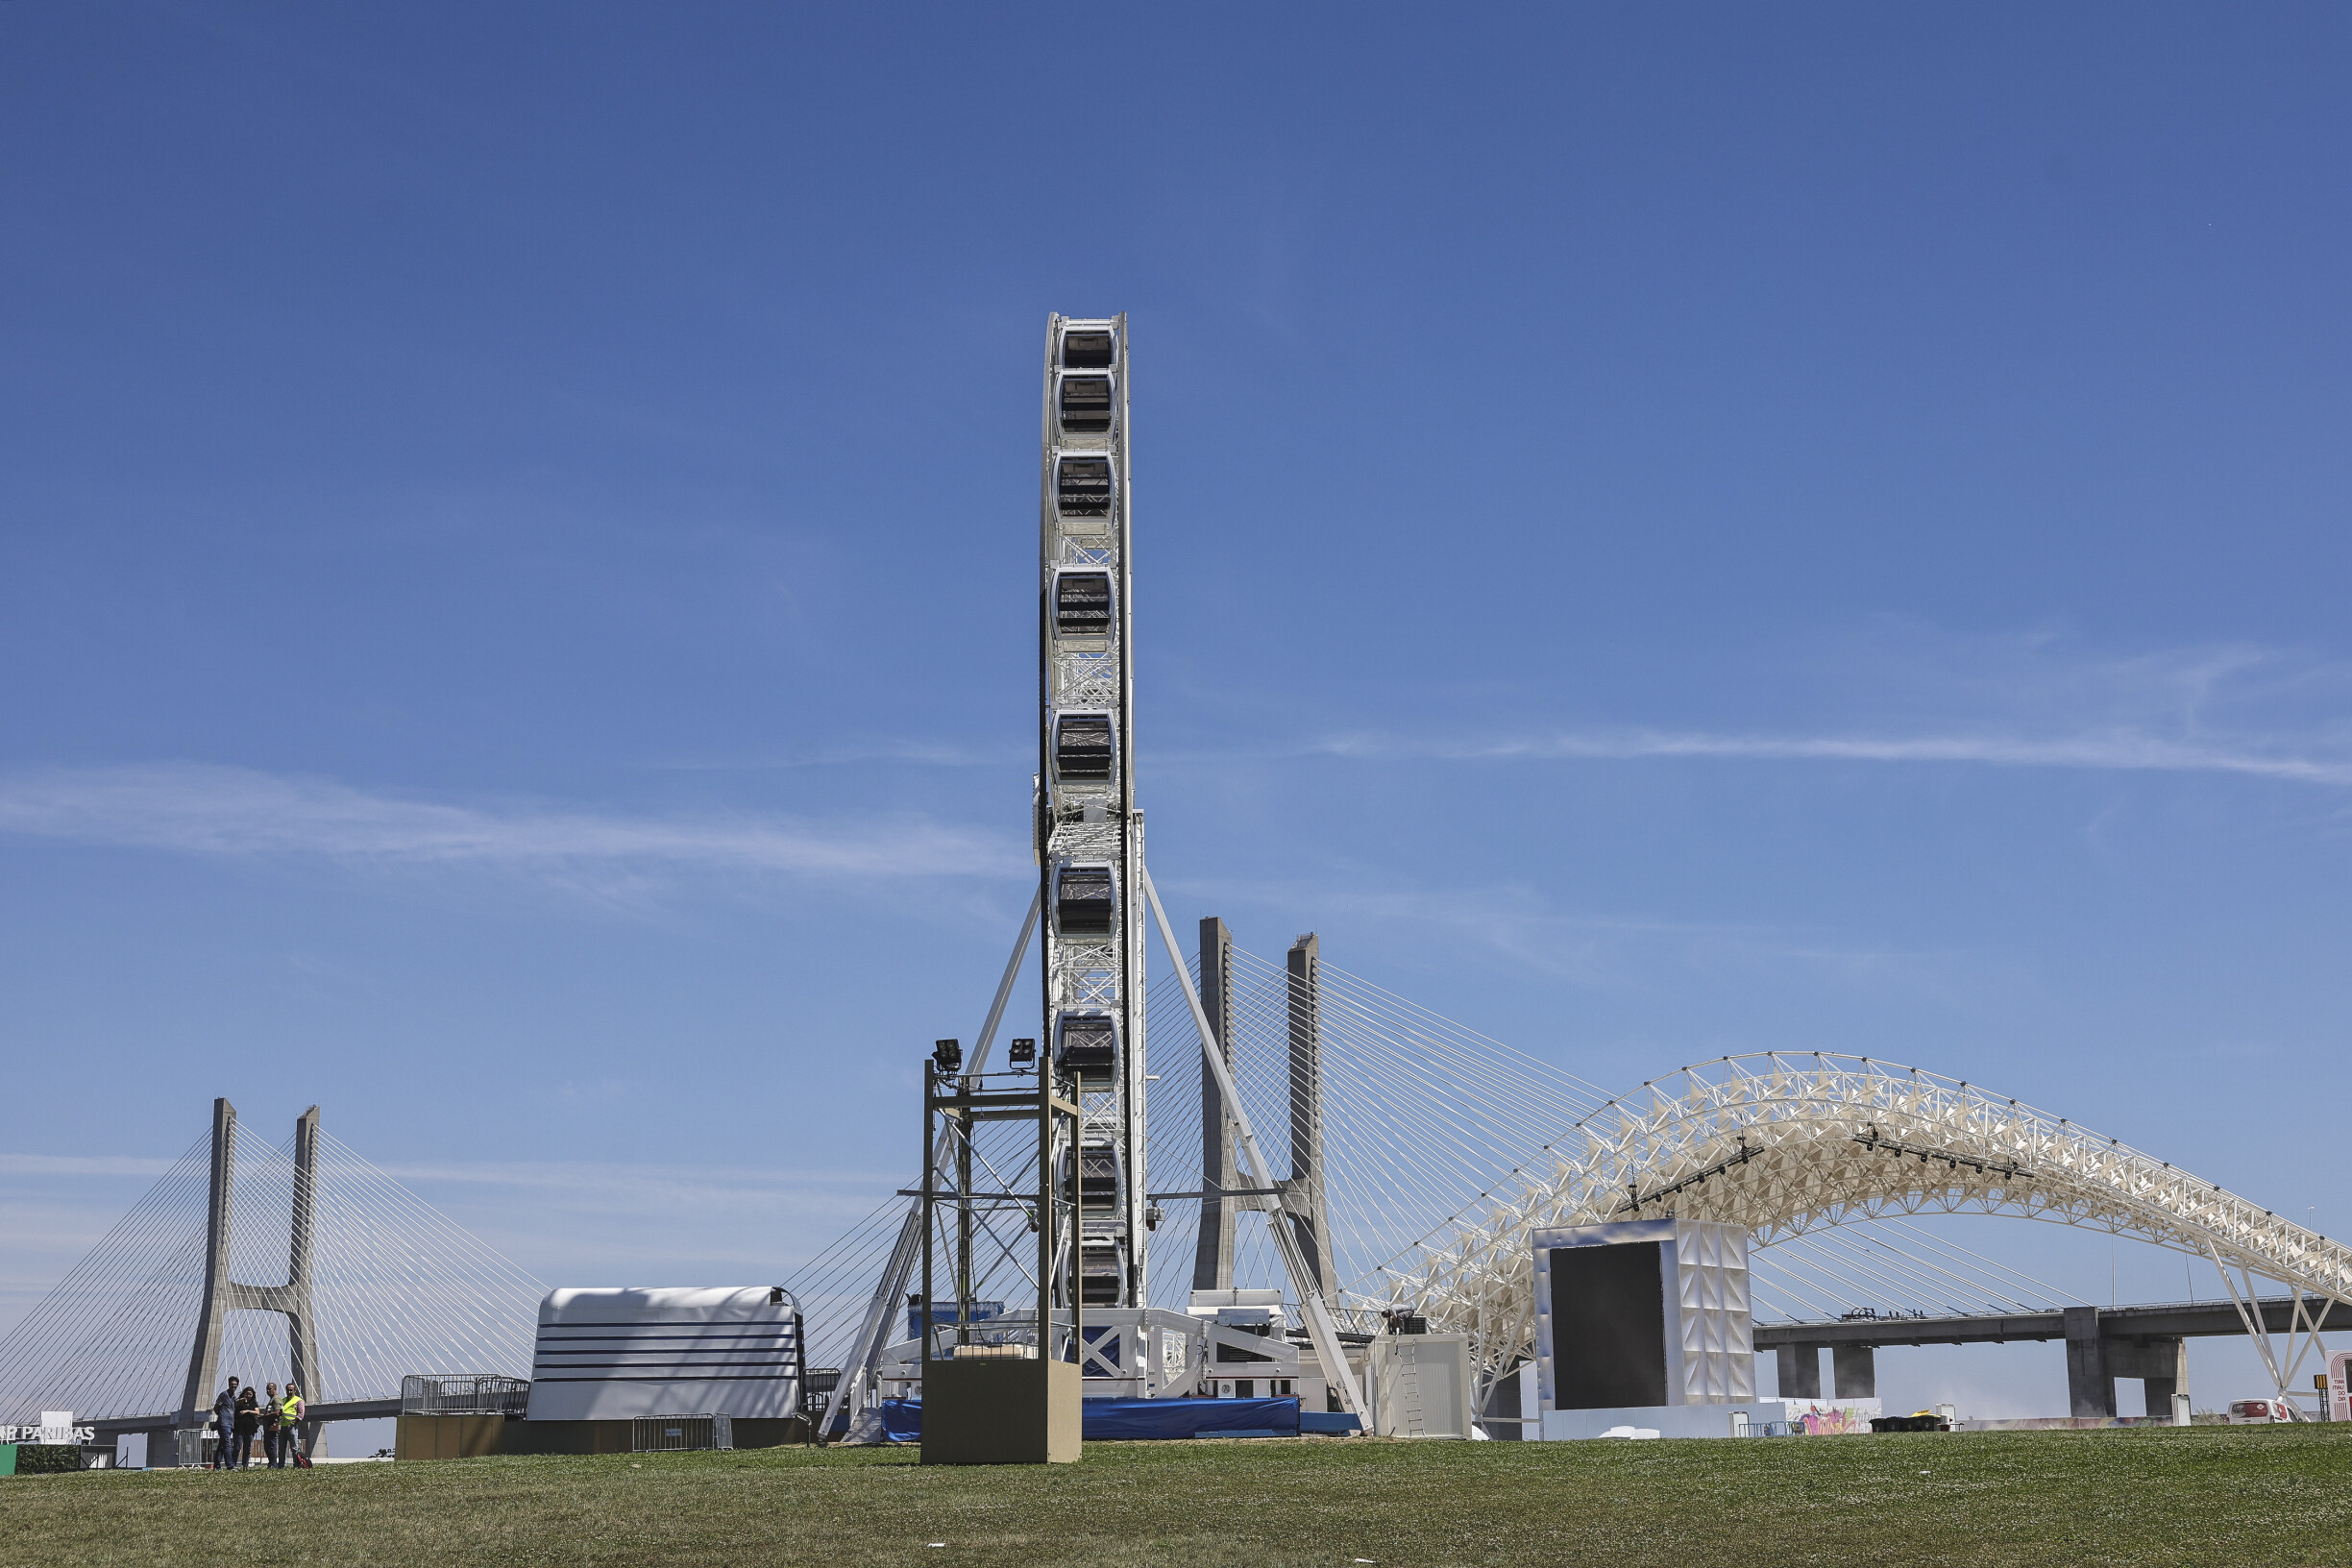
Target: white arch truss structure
1785, 1145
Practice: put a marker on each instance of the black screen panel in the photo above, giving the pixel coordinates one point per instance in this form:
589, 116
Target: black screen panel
1608, 1327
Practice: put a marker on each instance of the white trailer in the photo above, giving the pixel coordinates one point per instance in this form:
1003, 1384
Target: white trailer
614, 1355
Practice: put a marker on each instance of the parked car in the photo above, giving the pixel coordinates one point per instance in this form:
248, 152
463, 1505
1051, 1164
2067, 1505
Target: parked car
2255, 1413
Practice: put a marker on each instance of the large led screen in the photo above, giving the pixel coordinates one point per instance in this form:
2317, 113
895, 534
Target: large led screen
1608, 1327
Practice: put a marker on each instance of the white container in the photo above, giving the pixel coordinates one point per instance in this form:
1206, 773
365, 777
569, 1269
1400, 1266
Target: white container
612, 1354
1420, 1385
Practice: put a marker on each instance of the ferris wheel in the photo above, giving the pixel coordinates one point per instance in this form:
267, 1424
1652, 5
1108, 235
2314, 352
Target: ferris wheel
1089, 834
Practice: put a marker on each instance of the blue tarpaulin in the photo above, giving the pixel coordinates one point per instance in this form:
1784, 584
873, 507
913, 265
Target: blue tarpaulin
1134, 1420
1128, 1420
901, 1420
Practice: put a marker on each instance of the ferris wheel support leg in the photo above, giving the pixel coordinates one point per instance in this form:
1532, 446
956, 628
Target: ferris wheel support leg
1319, 1325
875, 1332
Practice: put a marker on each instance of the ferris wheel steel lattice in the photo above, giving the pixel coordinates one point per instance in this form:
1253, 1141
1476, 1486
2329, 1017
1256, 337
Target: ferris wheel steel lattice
1089, 834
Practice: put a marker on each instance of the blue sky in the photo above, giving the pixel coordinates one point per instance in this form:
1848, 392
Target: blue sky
1659, 533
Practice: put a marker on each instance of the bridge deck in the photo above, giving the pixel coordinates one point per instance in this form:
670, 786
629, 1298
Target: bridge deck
2163, 1320
340, 1410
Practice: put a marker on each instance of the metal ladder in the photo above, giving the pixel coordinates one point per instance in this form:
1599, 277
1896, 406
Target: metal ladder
1409, 1391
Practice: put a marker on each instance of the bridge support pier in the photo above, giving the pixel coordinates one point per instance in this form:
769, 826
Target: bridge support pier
2095, 1359
1799, 1371
2090, 1382
2102, 1343
1853, 1372
2162, 1366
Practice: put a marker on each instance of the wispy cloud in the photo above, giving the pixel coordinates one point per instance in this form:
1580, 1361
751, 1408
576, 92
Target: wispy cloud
209, 810
563, 1220
2114, 749
853, 753
601, 1184
1515, 927
1894, 693
78, 1165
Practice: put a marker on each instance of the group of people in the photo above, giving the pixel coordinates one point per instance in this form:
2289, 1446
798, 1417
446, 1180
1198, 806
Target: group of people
276, 1419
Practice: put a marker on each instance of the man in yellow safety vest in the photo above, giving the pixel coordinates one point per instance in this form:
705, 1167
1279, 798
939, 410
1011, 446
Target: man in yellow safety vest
290, 1412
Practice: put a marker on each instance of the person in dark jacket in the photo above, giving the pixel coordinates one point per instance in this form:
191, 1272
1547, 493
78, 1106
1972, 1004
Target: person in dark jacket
248, 1419
224, 1418
269, 1424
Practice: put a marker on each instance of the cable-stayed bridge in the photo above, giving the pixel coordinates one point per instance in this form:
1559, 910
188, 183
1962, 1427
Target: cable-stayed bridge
267, 1260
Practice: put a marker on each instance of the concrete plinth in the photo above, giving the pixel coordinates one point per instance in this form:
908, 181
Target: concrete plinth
1000, 1412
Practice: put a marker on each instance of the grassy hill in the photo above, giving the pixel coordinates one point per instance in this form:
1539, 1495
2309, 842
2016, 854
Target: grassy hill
2204, 1495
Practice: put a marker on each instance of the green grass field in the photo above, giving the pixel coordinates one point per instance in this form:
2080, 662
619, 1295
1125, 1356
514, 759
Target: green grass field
2218, 1495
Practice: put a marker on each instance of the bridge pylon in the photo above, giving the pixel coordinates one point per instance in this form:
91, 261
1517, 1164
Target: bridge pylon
223, 1295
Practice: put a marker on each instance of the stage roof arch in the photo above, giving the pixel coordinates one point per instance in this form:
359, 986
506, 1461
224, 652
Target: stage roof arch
1785, 1143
